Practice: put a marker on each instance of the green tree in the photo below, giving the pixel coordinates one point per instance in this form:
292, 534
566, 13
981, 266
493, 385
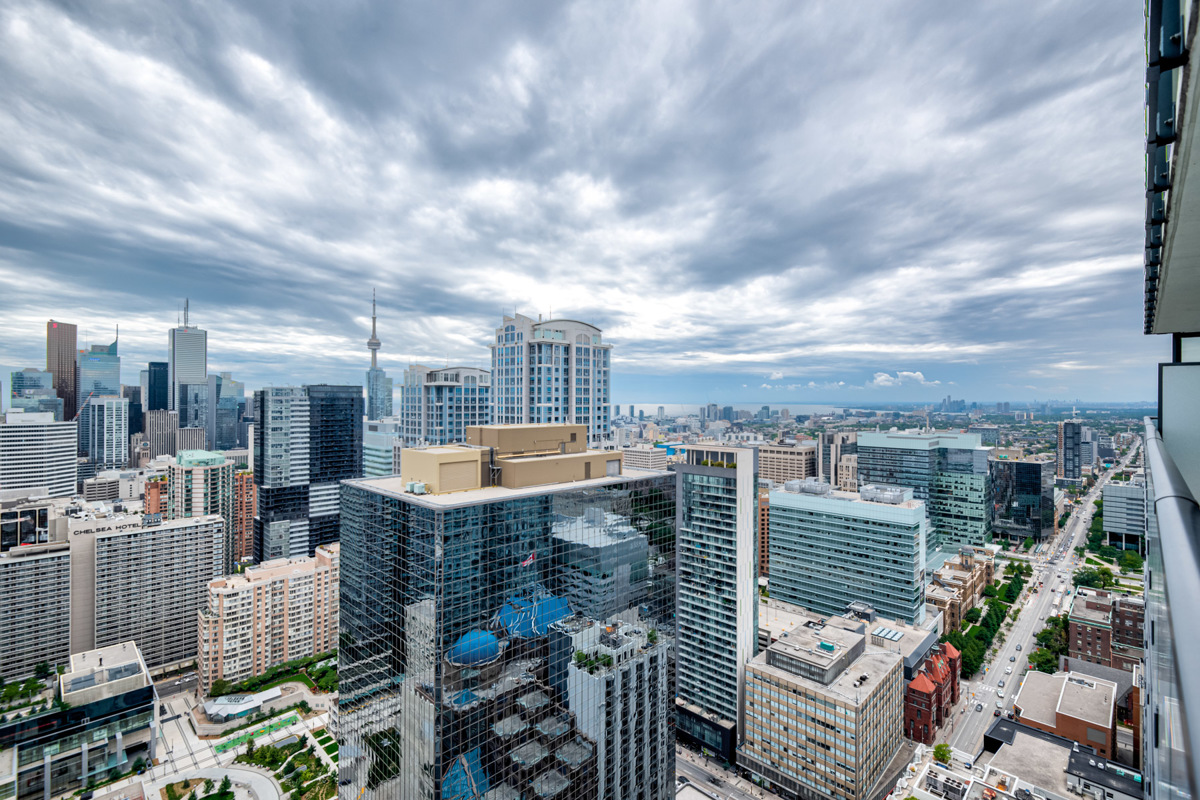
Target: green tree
1028, 543
942, 753
226, 785
42, 670
973, 615
1043, 661
139, 765
220, 687
250, 747
1095, 577
208, 785
1131, 562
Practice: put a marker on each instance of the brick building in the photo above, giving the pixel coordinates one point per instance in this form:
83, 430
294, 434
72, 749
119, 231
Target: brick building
932, 693
156, 496
244, 495
1078, 707
764, 525
1106, 629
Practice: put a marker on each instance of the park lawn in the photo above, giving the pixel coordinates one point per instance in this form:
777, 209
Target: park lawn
331, 748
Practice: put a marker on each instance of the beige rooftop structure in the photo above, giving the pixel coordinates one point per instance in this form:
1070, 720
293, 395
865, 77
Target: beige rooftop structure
1077, 707
508, 456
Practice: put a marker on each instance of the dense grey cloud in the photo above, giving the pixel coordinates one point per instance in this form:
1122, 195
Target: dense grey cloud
816, 202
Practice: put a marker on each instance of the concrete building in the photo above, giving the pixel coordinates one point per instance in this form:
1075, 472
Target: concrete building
1125, 516
34, 578
245, 494
832, 446
1077, 707
162, 430
379, 385
644, 457
556, 371
989, 435
824, 712
36, 452
438, 405
489, 680
957, 586
847, 473
156, 498
200, 483
187, 361
1106, 629
831, 548
717, 593
61, 361
107, 431
109, 722
190, 439
306, 440
1023, 492
948, 471
382, 445
780, 463
278, 611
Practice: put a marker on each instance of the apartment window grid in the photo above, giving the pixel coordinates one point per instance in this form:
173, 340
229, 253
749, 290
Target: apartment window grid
528, 695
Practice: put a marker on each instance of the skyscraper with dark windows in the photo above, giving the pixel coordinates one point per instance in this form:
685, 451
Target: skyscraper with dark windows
156, 390
61, 361
549, 373
306, 440
487, 649
98, 372
1070, 449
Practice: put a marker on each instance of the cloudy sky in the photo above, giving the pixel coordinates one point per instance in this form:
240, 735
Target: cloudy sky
776, 202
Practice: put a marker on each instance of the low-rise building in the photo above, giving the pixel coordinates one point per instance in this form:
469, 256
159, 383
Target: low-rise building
930, 696
1078, 707
644, 457
108, 721
957, 586
1106, 629
278, 611
811, 699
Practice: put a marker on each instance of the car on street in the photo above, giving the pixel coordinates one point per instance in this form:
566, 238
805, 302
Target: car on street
996, 713
1018, 648
1008, 670
1001, 684
999, 704
979, 706
999, 693
1012, 658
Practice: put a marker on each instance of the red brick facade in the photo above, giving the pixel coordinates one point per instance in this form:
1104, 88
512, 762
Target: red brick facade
932, 693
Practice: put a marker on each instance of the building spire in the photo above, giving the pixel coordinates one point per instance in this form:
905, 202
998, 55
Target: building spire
373, 344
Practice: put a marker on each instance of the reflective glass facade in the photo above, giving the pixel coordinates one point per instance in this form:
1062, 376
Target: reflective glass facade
1024, 499
513, 646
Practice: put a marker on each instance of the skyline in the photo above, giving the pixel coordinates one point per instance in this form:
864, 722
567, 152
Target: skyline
955, 209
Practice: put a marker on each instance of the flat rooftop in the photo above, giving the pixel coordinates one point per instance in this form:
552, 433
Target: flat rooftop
393, 486
1031, 760
804, 644
1043, 697
782, 494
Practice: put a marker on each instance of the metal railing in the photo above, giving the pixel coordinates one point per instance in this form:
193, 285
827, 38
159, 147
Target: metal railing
1173, 602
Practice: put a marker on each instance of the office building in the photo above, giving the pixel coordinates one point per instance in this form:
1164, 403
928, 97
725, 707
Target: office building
550, 372
134, 395
1081, 708
62, 362
162, 431
717, 593
99, 371
156, 386
34, 625
37, 452
187, 362
645, 457
33, 390
194, 406
824, 712
1023, 496
847, 473
226, 408
1125, 514
830, 548
105, 719
199, 484
190, 439
107, 432
1106, 629
437, 405
989, 435
1069, 451
306, 440
488, 680
245, 494
379, 385
278, 611
957, 585
780, 463
948, 471
832, 446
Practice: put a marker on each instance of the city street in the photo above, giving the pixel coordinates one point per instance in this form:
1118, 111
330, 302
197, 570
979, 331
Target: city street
730, 787
967, 724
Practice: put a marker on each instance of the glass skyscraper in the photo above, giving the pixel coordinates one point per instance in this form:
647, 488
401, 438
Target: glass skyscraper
507, 641
1024, 496
949, 471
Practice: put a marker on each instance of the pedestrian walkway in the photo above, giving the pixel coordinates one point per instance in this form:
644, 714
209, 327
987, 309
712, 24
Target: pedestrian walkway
264, 730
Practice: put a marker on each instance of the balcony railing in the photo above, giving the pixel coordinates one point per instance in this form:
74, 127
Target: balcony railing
1171, 725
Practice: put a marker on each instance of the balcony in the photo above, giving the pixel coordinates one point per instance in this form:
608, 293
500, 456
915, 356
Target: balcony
1171, 711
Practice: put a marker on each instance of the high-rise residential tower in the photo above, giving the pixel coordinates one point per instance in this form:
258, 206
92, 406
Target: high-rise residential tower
306, 440
949, 471
61, 361
200, 483
482, 651
551, 372
717, 595
438, 405
1070, 449
187, 360
107, 431
379, 385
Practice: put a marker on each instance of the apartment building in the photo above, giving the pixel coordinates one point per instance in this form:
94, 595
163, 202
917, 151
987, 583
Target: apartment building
275, 612
824, 712
245, 495
201, 483
1106, 629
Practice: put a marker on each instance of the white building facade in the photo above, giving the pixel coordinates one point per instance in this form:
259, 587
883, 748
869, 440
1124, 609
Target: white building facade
36, 452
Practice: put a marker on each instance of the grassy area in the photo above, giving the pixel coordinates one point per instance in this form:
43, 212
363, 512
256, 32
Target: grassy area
263, 730
255, 721
331, 748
